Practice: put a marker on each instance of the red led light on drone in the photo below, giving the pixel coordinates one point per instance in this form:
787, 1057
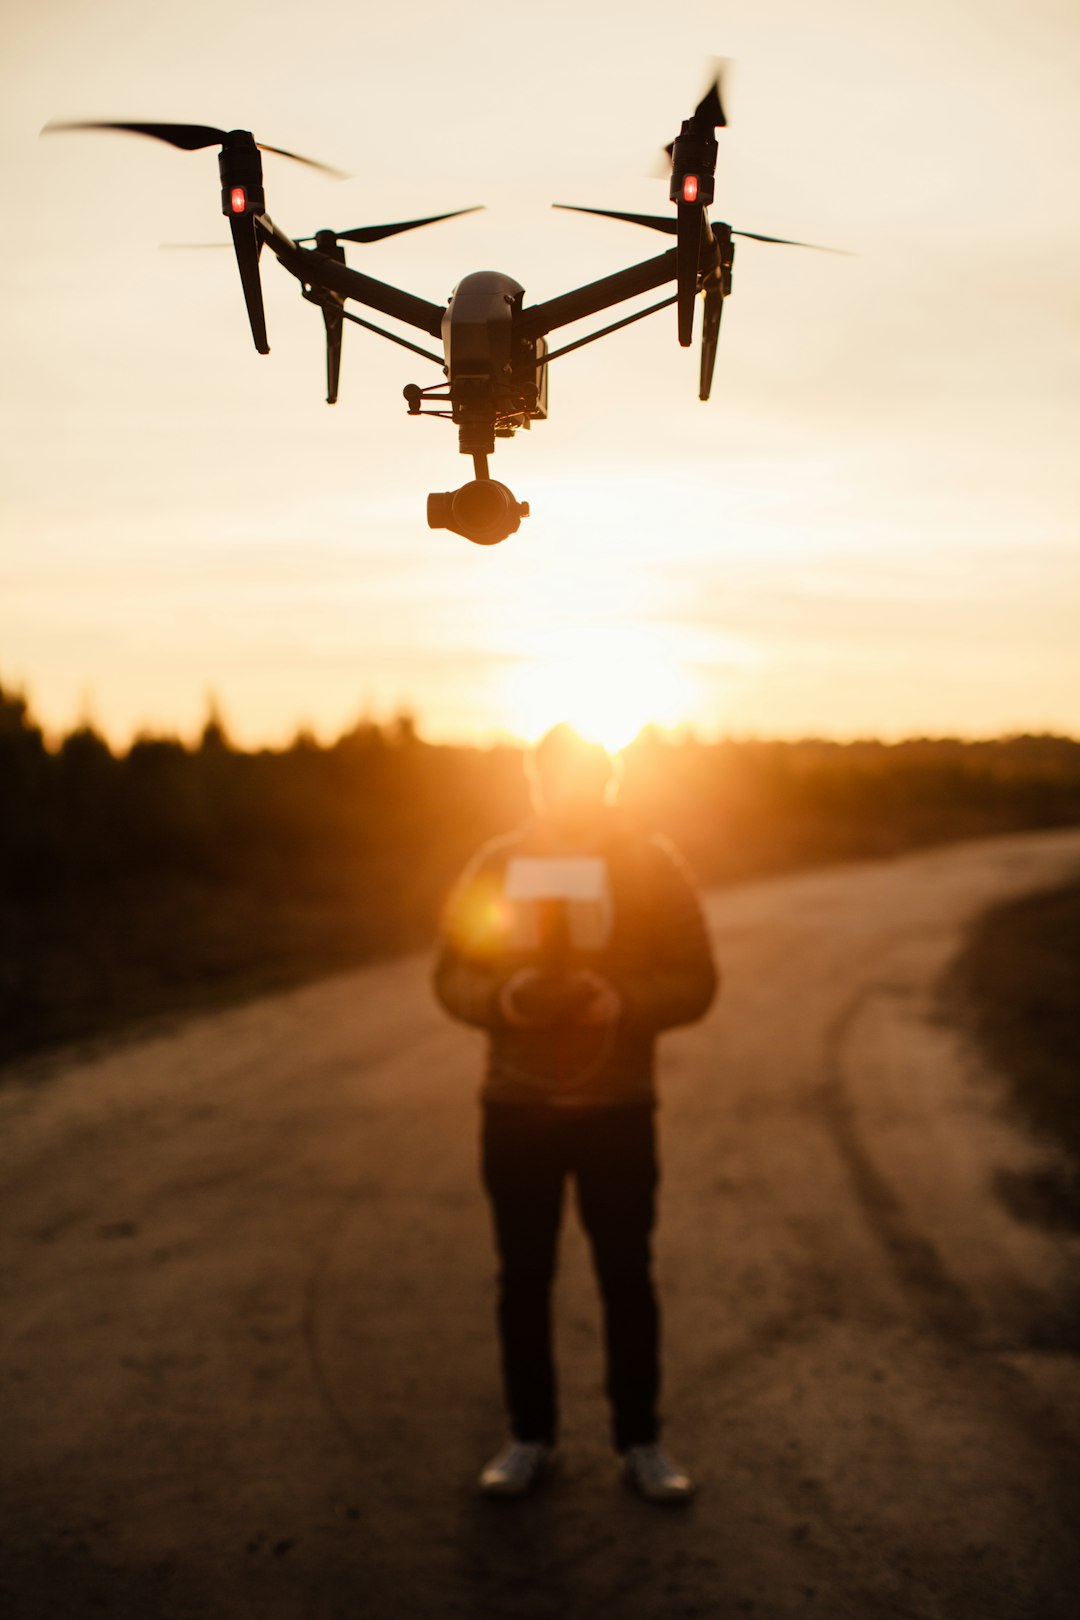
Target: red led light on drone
689, 188
238, 200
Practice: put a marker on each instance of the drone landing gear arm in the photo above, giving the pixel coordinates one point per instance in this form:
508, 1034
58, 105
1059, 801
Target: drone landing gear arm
690, 229
247, 243
334, 322
714, 308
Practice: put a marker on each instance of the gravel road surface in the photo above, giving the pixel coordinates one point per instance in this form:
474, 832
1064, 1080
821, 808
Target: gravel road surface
248, 1363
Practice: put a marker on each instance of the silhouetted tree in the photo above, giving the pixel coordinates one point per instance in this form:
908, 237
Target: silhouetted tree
132, 881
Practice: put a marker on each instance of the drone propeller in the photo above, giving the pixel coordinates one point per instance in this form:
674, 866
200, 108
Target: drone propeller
362, 233
693, 183
709, 113
712, 266
331, 304
376, 233
242, 197
189, 138
786, 241
664, 222
654, 222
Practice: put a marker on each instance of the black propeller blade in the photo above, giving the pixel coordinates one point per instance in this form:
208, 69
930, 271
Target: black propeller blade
785, 241
654, 222
376, 233
709, 112
362, 233
664, 222
242, 196
188, 138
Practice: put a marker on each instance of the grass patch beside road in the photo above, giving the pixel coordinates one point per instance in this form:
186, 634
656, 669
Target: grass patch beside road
1019, 981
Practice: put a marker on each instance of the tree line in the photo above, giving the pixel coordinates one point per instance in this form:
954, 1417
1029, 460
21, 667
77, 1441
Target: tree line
166, 875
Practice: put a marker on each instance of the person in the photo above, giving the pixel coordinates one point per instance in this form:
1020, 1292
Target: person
573, 942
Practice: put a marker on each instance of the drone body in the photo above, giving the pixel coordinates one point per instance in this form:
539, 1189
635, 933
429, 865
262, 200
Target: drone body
495, 355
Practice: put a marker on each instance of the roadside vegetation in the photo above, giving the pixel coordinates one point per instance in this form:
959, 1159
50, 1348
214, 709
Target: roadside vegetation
1019, 985
169, 876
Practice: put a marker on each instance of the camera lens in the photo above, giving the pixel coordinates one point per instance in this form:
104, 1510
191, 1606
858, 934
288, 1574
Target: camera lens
480, 507
483, 511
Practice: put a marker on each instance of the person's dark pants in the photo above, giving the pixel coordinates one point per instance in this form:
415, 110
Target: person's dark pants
528, 1154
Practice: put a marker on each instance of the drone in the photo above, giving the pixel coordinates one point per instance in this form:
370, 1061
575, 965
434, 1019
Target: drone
496, 351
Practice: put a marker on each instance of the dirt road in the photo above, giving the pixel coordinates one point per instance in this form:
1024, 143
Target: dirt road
248, 1365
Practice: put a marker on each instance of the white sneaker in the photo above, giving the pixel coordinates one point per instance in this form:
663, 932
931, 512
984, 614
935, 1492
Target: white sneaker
519, 1466
655, 1476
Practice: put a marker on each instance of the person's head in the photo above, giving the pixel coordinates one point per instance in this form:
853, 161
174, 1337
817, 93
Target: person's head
571, 780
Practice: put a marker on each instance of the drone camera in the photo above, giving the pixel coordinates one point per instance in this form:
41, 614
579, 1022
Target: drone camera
483, 511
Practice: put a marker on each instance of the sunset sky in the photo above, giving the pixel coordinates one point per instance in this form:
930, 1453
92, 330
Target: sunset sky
871, 529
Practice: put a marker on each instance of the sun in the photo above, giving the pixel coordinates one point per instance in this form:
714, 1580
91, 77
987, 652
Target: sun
608, 682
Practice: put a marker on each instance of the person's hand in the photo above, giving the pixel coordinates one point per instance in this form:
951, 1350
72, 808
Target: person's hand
532, 999
605, 1005
519, 1016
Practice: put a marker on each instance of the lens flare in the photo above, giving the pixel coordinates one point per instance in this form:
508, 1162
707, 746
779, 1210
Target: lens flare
608, 683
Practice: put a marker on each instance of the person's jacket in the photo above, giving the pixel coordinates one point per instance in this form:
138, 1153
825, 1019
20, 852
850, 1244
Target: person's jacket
656, 955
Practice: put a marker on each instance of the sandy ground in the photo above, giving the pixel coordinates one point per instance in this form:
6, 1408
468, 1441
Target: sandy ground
248, 1363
